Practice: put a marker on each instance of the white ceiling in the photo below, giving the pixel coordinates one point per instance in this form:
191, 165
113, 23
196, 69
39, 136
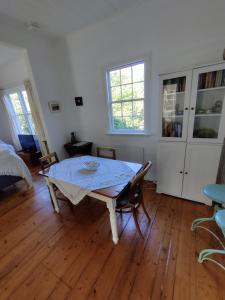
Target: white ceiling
8, 53
63, 16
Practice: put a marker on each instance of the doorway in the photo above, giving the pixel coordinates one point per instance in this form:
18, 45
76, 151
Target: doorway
20, 123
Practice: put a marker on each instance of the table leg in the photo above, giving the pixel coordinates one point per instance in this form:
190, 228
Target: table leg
52, 192
112, 214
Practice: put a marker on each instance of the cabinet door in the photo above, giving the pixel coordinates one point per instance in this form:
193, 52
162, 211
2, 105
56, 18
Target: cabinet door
170, 167
207, 105
175, 97
201, 166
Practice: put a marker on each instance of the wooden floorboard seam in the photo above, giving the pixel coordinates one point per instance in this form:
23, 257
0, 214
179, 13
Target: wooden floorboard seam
108, 256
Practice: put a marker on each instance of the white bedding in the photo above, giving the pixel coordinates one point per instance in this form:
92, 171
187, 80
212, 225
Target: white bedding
12, 164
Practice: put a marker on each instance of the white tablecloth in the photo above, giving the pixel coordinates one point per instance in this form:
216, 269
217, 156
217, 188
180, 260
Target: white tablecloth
75, 182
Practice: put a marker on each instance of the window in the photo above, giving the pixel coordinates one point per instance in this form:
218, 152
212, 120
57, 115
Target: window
126, 97
19, 110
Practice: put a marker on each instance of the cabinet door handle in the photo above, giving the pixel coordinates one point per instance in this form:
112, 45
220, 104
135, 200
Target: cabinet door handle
186, 108
181, 172
192, 108
185, 172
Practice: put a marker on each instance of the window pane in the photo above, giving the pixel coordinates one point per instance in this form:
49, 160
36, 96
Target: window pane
138, 90
127, 91
116, 109
128, 122
127, 96
26, 101
116, 93
138, 72
115, 77
23, 124
127, 109
138, 123
118, 123
138, 108
31, 122
126, 75
16, 103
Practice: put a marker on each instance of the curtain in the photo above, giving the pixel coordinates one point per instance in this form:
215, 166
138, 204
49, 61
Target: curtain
36, 118
14, 129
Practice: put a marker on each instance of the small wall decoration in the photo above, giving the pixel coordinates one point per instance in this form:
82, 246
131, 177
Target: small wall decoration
79, 101
54, 106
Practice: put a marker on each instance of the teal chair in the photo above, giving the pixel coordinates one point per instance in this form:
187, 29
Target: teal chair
216, 193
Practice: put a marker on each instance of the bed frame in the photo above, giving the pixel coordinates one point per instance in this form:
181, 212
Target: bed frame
7, 180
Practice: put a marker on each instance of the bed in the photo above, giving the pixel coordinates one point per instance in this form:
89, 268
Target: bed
12, 167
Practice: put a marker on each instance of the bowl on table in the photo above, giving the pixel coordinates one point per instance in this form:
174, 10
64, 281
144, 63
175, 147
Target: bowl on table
91, 165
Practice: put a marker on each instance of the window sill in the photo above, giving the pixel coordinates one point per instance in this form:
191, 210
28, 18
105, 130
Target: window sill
144, 133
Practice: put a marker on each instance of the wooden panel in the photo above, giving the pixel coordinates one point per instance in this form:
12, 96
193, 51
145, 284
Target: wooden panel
71, 255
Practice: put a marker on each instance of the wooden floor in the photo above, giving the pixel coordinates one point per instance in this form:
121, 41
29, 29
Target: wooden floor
71, 256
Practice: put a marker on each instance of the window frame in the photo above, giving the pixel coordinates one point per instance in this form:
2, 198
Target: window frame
111, 130
19, 91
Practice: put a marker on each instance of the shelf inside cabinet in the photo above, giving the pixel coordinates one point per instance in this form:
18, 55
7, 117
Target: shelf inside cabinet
172, 93
208, 115
211, 89
173, 116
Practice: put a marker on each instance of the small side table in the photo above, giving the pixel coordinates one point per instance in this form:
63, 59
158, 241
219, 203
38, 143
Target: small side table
30, 157
78, 148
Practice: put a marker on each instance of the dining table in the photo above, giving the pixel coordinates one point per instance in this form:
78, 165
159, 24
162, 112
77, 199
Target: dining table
108, 194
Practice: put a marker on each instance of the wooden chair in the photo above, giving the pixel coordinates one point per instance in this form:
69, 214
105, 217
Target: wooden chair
106, 152
132, 198
46, 162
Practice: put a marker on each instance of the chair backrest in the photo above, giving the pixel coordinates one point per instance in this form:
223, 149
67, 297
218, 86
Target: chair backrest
48, 160
106, 152
137, 181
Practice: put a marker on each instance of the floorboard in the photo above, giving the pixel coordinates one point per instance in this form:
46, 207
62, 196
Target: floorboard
71, 255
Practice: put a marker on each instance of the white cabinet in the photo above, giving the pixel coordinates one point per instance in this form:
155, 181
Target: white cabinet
201, 165
170, 177
192, 130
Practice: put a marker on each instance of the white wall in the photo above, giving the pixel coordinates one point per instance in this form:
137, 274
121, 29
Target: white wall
12, 74
4, 126
175, 33
42, 70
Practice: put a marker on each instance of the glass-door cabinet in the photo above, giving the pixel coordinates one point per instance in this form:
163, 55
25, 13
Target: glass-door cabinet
207, 109
175, 95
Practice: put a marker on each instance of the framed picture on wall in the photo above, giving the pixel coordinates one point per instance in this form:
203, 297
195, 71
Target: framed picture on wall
78, 101
54, 107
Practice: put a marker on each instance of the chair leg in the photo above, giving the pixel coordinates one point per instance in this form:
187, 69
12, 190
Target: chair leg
145, 211
51, 198
206, 252
213, 234
196, 222
136, 222
71, 205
